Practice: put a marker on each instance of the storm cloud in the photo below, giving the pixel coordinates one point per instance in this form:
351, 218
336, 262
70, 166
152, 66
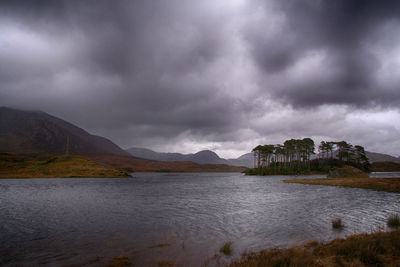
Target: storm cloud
223, 75
331, 52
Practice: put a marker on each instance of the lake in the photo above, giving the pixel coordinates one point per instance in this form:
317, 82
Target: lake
182, 217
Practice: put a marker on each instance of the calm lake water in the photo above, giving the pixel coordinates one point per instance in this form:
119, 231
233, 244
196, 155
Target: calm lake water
58, 222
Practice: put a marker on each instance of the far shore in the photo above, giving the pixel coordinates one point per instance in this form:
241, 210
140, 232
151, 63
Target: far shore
105, 166
50, 166
378, 184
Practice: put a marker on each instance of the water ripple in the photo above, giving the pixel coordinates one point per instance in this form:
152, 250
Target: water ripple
54, 221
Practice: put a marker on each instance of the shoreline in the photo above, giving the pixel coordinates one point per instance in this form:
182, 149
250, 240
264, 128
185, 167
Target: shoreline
380, 248
53, 166
77, 166
391, 185
373, 249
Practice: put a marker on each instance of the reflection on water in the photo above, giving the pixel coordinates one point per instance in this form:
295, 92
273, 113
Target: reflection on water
385, 174
68, 221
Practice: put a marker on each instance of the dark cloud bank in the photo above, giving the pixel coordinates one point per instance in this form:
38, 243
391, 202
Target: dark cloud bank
222, 75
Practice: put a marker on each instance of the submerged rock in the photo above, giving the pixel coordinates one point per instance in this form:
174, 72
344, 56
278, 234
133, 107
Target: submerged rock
347, 172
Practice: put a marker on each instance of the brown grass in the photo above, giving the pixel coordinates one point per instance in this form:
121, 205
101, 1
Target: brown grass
161, 245
347, 172
166, 263
226, 248
385, 166
143, 165
337, 223
48, 166
394, 221
121, 261
377, 249
378, 184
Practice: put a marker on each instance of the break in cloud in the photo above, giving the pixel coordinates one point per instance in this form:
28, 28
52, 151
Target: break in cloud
223, 75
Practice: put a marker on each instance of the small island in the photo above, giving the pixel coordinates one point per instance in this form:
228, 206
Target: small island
297, 156
344, 164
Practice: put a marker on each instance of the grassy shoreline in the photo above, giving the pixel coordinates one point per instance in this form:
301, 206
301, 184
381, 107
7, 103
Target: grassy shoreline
286, 174
376, 249
50, 166
378, 184
366, 249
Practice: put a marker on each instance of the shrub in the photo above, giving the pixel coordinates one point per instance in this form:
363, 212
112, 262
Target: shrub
226, 248
337, 223
394, 221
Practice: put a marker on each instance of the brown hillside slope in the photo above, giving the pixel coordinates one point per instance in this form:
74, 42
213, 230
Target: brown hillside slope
385, 166
143, 165
36, 132
48, 166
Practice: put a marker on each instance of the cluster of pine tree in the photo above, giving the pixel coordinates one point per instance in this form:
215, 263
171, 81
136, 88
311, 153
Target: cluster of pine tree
295, 156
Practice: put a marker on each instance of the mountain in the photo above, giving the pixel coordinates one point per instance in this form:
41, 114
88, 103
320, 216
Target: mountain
372, 156
246, 160
206, 156
379, 157
202, 157
36, 132
145, 153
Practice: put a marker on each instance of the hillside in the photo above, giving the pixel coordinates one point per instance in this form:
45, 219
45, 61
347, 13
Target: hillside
372, 156
379, 157
145, 153
36, 132
12, 166
246, 160
385, 166
206, 157
142, 165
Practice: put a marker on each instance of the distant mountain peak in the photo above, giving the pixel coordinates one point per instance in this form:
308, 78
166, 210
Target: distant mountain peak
379, 157
206, 151
201, 157
245, 160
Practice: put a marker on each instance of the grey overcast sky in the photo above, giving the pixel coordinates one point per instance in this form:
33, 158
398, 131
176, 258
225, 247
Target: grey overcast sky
224, 75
